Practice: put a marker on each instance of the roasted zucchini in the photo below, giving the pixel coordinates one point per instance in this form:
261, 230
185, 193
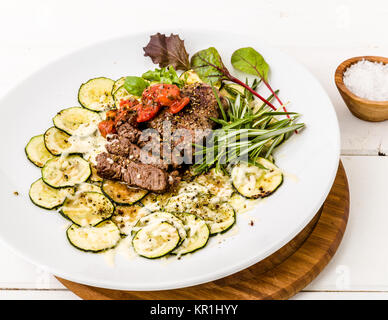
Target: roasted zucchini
37, 152
156, 240
126, 217
118, 83
77, 121
197, 234
47, 197
159, 216
87, 208
102, 237
86, 187
218, 216
67, 171
94, 177
120, 193
96, 95
252, 181
56, 141
122, 94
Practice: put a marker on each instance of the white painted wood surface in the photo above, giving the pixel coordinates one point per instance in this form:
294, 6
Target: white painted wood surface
320, 34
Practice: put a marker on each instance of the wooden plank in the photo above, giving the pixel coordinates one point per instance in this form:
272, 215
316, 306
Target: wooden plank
15, 272
37, 295
361, 261
335, 295
68, 295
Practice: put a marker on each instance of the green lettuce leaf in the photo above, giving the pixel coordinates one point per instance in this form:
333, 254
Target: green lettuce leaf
164, 75
135, 85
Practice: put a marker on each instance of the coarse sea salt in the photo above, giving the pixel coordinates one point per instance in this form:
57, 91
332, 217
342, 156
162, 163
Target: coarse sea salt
368, 80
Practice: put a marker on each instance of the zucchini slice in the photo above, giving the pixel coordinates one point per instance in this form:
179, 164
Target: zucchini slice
254, 182
96, 95
189, 202
156, 240
217, 183
122, 94
120, 193
102, 237
126, 217
88, 187
87, 208
56, 141
77, 121
240, 203
37, 152
117, 84
94, 177
46, 197
219, 217
160, 216
150, 201
197, 234
67, 171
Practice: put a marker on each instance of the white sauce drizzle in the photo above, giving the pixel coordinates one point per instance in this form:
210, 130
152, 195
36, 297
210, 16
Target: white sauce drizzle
88, 141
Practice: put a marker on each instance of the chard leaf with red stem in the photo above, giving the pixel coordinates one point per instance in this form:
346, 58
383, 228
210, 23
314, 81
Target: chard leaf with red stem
250, 61
202, 62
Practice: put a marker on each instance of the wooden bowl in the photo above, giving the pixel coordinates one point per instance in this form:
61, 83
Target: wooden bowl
362, 108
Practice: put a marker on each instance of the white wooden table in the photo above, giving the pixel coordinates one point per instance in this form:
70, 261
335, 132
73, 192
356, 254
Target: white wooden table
320, 34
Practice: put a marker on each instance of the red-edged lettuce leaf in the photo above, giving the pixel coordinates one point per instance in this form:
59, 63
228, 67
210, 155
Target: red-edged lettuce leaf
167, 51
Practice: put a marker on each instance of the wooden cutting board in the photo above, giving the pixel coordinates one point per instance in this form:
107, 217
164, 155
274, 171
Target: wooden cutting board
279, 276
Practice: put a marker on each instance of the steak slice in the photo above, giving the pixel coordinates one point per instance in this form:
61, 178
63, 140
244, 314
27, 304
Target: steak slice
122, 146
108, 167
134, 174
128, 131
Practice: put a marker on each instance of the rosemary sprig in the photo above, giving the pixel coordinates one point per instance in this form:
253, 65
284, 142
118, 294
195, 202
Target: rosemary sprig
244, 134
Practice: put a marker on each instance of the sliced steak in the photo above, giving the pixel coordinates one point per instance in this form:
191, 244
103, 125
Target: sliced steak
127, 160
122, 146
108, 166
128, 131
133, 173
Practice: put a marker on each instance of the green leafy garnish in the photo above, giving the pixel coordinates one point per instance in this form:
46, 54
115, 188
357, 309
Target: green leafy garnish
135, 85
244, 135
170, 51
164, 75
248, 60
208, 65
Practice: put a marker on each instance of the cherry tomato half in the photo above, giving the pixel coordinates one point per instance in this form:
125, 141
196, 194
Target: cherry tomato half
106, 127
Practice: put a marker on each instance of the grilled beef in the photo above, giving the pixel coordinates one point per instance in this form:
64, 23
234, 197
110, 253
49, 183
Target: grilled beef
126, 158
133, 173
195, 116
122, 146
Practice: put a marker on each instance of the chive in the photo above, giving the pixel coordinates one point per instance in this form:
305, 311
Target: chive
244, 134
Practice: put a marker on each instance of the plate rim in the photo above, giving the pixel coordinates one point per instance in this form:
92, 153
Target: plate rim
231, 269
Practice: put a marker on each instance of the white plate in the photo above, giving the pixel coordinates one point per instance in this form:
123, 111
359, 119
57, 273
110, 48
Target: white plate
309, 159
